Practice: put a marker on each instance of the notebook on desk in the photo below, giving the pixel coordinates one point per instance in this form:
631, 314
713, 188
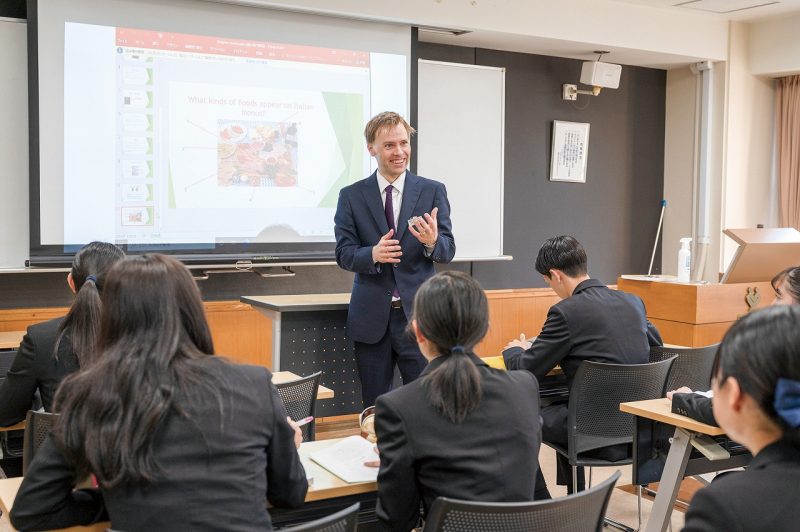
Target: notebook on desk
346, 458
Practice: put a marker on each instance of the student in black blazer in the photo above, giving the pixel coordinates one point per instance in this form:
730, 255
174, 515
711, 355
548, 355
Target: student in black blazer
463, 429
756, 387
177, 439
591, 322
52, 350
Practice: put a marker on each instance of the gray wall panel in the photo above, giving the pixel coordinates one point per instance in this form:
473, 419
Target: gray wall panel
615, 213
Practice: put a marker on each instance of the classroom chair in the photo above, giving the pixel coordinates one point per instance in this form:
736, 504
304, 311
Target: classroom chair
692, 368
10, 441
582, 511
37, 426
342, 521
594, 418
300, 399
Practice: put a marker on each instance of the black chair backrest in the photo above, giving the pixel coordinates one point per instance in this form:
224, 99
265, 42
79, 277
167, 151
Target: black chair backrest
10, 441
37, 426
583, 511
594, 418
692, 368
6, 359
300, 399
342, 521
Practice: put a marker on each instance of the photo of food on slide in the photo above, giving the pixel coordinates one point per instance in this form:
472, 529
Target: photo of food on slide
257, 154
135, 216
250, 147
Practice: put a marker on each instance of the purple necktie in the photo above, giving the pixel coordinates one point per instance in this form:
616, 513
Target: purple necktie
388, 210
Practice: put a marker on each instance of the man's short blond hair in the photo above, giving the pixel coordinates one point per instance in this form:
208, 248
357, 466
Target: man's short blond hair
382, 120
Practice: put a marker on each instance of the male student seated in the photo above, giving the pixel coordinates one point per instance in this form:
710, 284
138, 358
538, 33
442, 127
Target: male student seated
591, 322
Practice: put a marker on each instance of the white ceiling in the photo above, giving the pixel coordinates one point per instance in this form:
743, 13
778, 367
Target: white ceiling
737, 10
558, 48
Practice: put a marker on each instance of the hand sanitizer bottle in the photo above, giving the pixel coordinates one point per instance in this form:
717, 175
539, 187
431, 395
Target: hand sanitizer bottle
684, 260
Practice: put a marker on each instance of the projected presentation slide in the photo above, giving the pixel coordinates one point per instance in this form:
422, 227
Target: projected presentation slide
215, 139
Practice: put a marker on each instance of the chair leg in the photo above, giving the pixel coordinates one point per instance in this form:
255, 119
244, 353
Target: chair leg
619, 526
639, 505
574, 479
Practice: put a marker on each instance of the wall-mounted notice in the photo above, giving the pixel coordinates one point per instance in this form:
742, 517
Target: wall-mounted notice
570, 149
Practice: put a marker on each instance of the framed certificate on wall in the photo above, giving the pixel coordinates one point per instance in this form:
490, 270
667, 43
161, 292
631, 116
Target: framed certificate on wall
569, 152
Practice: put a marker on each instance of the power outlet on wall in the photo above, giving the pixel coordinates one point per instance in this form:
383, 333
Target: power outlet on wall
569, 92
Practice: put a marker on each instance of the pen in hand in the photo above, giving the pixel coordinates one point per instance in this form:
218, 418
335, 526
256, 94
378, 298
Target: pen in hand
305, 421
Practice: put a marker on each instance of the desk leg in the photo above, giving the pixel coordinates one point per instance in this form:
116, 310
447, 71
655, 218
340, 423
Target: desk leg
275, 318
671, 479
276, 340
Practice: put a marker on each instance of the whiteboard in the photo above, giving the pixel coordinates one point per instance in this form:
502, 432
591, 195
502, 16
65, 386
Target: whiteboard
13, 144
461, 124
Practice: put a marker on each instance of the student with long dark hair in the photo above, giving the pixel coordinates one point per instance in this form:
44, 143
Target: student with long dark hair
756, 387
463, 429
177, 439
53, 349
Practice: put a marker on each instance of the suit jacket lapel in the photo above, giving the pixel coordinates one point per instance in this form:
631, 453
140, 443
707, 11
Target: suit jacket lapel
411, 191
372, 197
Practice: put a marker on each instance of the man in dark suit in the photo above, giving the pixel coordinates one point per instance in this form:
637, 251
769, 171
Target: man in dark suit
390, 229
591, 322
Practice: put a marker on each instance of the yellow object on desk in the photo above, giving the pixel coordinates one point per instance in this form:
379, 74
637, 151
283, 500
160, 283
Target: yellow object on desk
495, 362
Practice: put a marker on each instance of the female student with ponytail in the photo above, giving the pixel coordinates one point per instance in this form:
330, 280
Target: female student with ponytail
463, 429
53, 349
756, 387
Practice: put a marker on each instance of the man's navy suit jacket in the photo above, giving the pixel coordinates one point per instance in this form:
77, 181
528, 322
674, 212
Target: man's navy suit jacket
360, 223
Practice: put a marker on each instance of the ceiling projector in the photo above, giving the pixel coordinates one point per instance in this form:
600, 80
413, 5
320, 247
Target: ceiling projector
599, 74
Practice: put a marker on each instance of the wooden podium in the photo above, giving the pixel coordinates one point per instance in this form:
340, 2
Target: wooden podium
698, 314
693, 314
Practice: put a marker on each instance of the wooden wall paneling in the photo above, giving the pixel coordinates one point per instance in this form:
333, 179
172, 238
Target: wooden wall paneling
239, 332
245, 335
512, 312
21, 319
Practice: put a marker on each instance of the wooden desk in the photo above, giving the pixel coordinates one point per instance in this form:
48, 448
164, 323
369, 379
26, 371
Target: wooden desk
8, 492
279, 377
327, 494
326, 487
11, 339
688, 433
18, 426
